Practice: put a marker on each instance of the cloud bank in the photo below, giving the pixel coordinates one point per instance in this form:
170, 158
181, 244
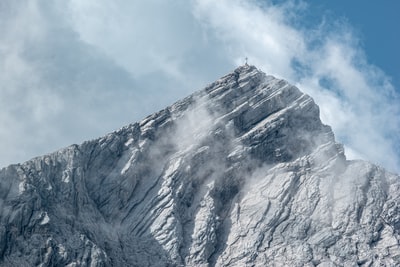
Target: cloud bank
74, 70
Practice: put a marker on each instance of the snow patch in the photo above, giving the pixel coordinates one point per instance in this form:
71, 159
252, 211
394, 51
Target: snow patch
62, 251
129, 163
173, 167
46, 218
129, 142
22, 187
65, 177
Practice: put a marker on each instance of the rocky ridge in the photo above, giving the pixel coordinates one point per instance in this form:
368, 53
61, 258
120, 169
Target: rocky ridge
241, 173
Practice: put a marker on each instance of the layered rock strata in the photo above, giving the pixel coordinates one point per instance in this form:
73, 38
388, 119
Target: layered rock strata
241, 173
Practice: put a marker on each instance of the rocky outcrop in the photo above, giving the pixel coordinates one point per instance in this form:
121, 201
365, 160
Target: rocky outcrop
242, 173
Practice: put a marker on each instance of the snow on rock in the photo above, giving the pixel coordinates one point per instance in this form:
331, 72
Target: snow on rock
45, 218
242, 173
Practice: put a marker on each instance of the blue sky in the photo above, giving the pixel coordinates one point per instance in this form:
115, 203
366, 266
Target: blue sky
76, 70
375, 23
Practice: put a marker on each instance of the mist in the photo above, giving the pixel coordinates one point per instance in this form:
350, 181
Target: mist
73, 71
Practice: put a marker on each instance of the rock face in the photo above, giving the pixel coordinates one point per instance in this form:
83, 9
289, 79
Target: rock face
242, 173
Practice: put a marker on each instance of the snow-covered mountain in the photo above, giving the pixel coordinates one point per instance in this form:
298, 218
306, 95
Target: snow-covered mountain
242, 173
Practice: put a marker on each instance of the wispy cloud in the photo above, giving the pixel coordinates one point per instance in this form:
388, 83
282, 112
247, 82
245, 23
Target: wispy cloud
75, 70
356, 98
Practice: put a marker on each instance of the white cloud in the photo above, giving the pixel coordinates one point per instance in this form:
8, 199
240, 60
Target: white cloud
50, 84
77, 69
144, 37
247, 30
355, 98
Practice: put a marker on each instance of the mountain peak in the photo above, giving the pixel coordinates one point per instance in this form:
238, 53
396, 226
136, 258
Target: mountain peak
246, 68
240, 173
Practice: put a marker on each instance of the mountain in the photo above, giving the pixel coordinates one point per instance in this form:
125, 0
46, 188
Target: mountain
241, 173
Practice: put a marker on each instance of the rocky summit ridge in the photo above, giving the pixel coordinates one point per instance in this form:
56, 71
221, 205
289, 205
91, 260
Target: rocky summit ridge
241, 173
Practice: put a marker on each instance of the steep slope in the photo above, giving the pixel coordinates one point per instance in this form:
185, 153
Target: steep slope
242, 173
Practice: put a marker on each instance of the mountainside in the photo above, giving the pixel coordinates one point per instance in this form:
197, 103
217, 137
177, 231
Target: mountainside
242, 173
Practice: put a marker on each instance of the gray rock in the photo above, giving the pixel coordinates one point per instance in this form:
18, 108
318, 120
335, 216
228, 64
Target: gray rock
242, 173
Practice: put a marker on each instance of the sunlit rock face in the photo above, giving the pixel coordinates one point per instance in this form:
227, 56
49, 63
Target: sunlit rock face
241, 173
